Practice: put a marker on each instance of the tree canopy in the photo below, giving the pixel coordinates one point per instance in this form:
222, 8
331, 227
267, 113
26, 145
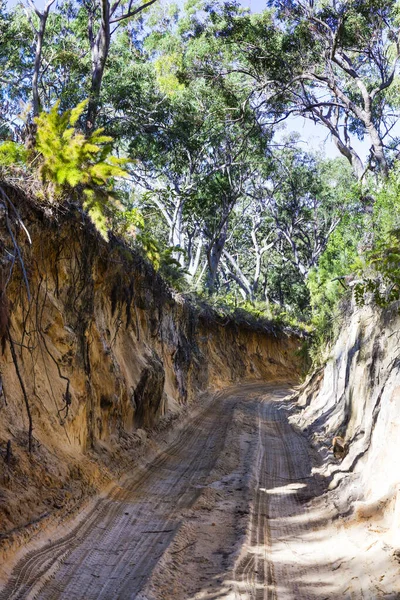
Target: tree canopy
162, 121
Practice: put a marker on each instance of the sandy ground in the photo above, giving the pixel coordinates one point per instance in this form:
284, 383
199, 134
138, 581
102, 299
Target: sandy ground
231, 509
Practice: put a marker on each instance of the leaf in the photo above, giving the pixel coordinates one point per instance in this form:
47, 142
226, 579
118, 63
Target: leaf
70, 159
77, 112
12, 153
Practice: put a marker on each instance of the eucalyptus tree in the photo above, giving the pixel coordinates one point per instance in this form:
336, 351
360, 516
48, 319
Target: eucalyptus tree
38, 72
170, 150
283, 224
221, 191
197, 149
251, 239
360, 48
330, 61
15, 66
63, 52
306, 198
5, 43
195, 168
39, 29
103, 19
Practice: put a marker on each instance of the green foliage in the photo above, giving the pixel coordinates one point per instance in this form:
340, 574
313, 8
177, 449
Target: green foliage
70, 159
384, 265
150, 248
127, 222
328, 281
135, 228
386, 211
364, 252
379, 271
12, 153
172, 270
229, 306
163, 259
167, 68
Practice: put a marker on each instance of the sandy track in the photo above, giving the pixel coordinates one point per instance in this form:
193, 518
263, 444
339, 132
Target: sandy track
223, 512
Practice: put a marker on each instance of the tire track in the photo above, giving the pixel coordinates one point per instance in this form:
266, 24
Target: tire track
282, 461
108, 555
26, 573
254, 574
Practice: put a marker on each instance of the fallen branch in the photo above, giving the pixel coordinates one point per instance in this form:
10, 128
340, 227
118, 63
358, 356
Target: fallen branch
184, 548
160, 531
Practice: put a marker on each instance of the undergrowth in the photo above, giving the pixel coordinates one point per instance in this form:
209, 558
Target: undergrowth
253, 314
361, 263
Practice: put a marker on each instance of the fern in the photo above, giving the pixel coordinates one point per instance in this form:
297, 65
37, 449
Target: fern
70, 159
95, 207
12, 153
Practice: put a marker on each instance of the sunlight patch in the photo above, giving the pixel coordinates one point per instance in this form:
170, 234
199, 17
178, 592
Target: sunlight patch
290, 488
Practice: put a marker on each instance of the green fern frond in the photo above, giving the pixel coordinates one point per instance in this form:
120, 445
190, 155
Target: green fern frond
12, 153
77, 112
70, 159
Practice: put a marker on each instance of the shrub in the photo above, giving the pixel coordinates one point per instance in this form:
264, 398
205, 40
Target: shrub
12, 153
327, 282
69, 159
379, 272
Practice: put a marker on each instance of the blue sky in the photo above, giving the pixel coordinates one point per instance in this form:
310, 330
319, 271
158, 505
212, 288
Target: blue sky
254, 5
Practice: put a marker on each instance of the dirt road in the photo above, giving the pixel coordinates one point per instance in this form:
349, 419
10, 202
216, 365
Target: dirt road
223, 512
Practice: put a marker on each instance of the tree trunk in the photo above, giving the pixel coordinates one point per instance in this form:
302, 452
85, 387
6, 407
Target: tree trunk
194, 261
352, 157
38, 62
176, 232
238, 276
377, 149
214, 254
100, 46
99, 49
31, 128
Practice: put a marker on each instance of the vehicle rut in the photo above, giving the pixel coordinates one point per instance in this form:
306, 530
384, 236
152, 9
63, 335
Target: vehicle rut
230, 509
111, 553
